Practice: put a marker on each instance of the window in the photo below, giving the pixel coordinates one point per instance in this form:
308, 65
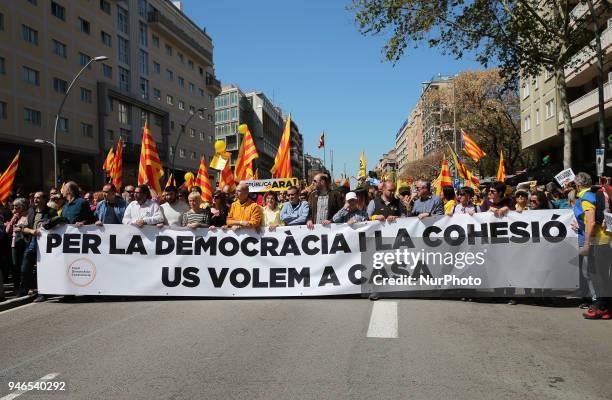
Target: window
181, 105
125, 135
143, 34
58, 11
171, 150
124, 79
143, 62
168, 50
106, 39
525, 90
210, 138
156, 94
144, 117
181, 58
201, 92
193, 155
1, 22
169, 100
84, 59
87, 129
29, 35
32, 117
31, 76
182, 153
182, 128
181, 81
535, 83
105, 6
62, 125
122, 20
202, 136
85, 95
191, 110
107, 71
60, 85
84, 25
144, 88
59, 49
171, 125
169, 75
35, 2
123, 47
550, 109
110, 134
157, 120
190, 63
142, 8
155, 40
123, 113
527, 123
537, 116
3, 110
156, 67
548, 74
192, 132
191, 87
2, 66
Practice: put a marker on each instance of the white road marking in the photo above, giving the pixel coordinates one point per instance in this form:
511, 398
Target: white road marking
383, 320
20, 392
16, 308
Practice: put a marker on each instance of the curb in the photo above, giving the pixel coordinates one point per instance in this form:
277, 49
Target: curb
13, 303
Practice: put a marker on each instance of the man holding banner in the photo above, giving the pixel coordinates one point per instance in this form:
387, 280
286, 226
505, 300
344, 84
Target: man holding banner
244, 212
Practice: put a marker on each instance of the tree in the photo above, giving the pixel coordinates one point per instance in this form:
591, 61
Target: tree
525, 37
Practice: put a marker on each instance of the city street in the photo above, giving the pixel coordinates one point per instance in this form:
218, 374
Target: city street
333, 348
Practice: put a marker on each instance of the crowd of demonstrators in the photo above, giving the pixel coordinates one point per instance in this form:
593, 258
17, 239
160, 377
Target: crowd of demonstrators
318, 203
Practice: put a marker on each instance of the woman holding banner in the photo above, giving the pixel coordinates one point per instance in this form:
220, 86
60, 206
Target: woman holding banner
196, 217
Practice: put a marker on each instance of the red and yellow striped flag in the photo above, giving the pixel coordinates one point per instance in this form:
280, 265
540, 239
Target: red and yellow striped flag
108, 162
322, 140
227, 178
150, 168
189, 180
501, 171
170, 181
244, 163
444, 179
117, 168
203, 181
282, 162
7, 179
470, 147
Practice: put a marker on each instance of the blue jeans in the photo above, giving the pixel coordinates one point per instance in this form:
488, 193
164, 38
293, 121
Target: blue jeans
27, 266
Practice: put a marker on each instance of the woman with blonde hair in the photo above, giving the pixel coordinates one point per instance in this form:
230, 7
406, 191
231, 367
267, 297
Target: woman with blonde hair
196, 217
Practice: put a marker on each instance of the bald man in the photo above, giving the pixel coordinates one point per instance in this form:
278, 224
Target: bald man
244, 212
386, 207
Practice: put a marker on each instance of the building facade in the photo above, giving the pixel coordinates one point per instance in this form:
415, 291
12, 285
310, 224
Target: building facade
313, 166
436, 120
159, 68
386, 168
541, 117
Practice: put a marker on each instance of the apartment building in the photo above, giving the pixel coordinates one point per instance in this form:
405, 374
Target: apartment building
541, 117
159, 68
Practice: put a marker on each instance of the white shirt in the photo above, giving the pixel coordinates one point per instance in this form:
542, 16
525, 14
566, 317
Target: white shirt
173, 213
149, 212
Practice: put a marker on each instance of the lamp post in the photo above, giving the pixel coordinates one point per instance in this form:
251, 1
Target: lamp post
178, 138
59, 112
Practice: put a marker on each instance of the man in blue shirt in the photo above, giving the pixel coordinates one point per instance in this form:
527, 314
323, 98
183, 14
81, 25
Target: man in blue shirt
426, 204
111, 209
76, 210
294, 211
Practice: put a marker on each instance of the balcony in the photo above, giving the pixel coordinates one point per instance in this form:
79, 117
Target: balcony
157, 20
587, 105
213, 84
582, 60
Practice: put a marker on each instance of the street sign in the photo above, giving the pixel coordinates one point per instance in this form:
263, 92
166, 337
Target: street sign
599, 160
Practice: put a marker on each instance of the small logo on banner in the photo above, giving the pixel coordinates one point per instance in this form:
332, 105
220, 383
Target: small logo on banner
81, 272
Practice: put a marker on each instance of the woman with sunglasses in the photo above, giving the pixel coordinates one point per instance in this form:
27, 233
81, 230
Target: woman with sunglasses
538, 201
219, 210
520, 201
498, 203
466, 206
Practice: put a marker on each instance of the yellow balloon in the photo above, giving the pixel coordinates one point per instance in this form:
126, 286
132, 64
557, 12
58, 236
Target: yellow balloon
242, 128
219, 146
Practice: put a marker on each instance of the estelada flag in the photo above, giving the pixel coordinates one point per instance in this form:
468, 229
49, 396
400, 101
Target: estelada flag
203, 181
149, 168
7, 179
282, 162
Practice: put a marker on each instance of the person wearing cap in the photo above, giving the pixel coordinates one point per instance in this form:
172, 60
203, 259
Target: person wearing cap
350, 213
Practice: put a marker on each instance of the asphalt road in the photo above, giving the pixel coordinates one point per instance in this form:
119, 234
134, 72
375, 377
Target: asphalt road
306, 349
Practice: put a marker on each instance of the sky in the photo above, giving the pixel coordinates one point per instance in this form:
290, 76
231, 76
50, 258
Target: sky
310, 59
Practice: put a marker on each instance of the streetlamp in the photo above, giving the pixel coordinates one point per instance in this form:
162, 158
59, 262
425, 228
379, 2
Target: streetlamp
59, 112
178, 138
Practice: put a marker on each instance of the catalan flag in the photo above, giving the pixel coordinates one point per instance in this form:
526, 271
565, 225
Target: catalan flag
227, 178
7, 179
362, 165
117, 168
170, 181
321, 140
203, 181
108, 162
247, 153
501, 171
470, 147
463, 171
444, 179
149, 169
282, 162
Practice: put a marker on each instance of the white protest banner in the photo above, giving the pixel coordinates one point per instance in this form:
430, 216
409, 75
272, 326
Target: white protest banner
267, 185
565, 176
534, 249
608, 221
